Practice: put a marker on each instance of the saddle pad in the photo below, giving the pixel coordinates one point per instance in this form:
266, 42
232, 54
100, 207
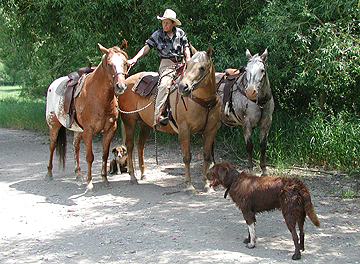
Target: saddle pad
145, 83
60, 89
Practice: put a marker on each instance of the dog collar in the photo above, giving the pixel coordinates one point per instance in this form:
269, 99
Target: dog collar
233, 176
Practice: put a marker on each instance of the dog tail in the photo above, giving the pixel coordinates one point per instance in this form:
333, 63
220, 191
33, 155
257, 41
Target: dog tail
61, 146
308, 206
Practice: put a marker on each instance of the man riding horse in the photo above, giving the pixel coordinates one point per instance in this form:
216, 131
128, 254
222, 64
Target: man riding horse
172, 46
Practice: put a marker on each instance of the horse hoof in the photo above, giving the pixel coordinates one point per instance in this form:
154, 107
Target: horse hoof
250, 246
190, 190
90, 187
135, 182
264, 174
296, 256
107, 186
208, 189
48, 177
143, 178
80, 178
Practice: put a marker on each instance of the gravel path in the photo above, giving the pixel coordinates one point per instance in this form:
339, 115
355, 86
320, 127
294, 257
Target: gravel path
155, 221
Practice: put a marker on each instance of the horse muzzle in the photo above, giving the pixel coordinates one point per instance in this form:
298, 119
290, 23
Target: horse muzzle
184, 89
251, 93
120, 88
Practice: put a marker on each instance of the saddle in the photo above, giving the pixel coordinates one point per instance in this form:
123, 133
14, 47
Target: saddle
69, 92
147, 84
228, 79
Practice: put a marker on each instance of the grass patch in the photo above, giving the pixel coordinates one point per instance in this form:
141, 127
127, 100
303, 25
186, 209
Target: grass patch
9, 91
331, 141
23, 113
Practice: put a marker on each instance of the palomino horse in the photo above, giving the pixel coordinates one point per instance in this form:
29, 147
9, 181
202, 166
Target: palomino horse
252, 103
200, 115
95, 108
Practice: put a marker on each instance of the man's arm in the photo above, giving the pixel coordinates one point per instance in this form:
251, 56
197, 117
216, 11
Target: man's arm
145, 49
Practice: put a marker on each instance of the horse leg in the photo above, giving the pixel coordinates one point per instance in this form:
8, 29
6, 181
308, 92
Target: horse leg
184, 140
263, 139
76, 149
249, 145
129, 143
208, 155
54, 128
144, 133
87, 137
107, 137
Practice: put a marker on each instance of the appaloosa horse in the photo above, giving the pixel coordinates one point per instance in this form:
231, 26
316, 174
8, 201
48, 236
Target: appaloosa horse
95, 109
199, 112
250, 103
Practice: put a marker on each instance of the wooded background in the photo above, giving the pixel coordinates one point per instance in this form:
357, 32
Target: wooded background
313, 45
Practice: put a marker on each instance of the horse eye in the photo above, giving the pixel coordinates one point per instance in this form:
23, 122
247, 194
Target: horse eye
202, 68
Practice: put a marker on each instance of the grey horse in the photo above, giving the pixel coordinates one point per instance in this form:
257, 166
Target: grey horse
249, 102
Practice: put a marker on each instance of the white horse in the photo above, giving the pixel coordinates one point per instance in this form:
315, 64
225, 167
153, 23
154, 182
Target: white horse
251, 103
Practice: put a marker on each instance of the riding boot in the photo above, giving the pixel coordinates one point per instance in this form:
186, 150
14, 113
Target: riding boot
161, 119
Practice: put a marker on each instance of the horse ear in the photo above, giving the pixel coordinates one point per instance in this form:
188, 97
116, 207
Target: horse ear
209, 51
123, 45
264, 55
193, 50
248, 54
103, 49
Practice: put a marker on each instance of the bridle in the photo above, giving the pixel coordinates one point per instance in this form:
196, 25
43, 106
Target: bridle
200, 80
116, 74
263, 102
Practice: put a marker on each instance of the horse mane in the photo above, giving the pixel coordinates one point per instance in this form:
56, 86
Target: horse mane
200, 56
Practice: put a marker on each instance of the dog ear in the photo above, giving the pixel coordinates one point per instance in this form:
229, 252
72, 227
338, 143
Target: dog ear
222, 172
113, 150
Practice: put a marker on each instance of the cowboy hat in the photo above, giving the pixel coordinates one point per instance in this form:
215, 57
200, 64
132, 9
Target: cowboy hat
170, 14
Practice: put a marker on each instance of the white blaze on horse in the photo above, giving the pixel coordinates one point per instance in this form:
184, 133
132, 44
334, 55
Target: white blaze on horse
95, 111
248, 102
197, 112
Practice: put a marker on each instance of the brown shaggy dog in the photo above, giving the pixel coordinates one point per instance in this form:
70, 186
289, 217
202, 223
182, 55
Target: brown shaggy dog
253, 194
119, 164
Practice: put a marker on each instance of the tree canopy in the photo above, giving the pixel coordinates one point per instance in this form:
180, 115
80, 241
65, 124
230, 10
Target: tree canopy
314, 51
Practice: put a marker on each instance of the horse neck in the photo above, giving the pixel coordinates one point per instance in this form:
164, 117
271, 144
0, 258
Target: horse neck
102, 81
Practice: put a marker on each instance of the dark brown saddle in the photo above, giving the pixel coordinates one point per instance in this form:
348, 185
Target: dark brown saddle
146, 84
228, 79
69, 92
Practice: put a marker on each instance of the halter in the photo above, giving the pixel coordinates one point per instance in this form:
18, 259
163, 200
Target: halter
263, 102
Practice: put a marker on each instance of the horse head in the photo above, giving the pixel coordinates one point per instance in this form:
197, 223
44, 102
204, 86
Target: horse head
255, 74
115, 62
197, 70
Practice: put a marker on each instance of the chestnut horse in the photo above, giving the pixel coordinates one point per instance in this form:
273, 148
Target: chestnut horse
95, 108
251, 103
197, 85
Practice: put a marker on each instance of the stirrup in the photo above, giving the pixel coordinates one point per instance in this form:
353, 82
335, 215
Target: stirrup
67, 121
163, 120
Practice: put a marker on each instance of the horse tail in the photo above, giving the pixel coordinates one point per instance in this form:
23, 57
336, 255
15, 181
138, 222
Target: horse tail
308, 206
61, 146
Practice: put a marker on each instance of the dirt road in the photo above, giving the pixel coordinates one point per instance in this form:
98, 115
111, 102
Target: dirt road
155, 221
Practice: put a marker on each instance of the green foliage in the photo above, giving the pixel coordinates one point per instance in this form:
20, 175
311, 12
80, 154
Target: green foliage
314, 48
23, 113
313, 45
330, 141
